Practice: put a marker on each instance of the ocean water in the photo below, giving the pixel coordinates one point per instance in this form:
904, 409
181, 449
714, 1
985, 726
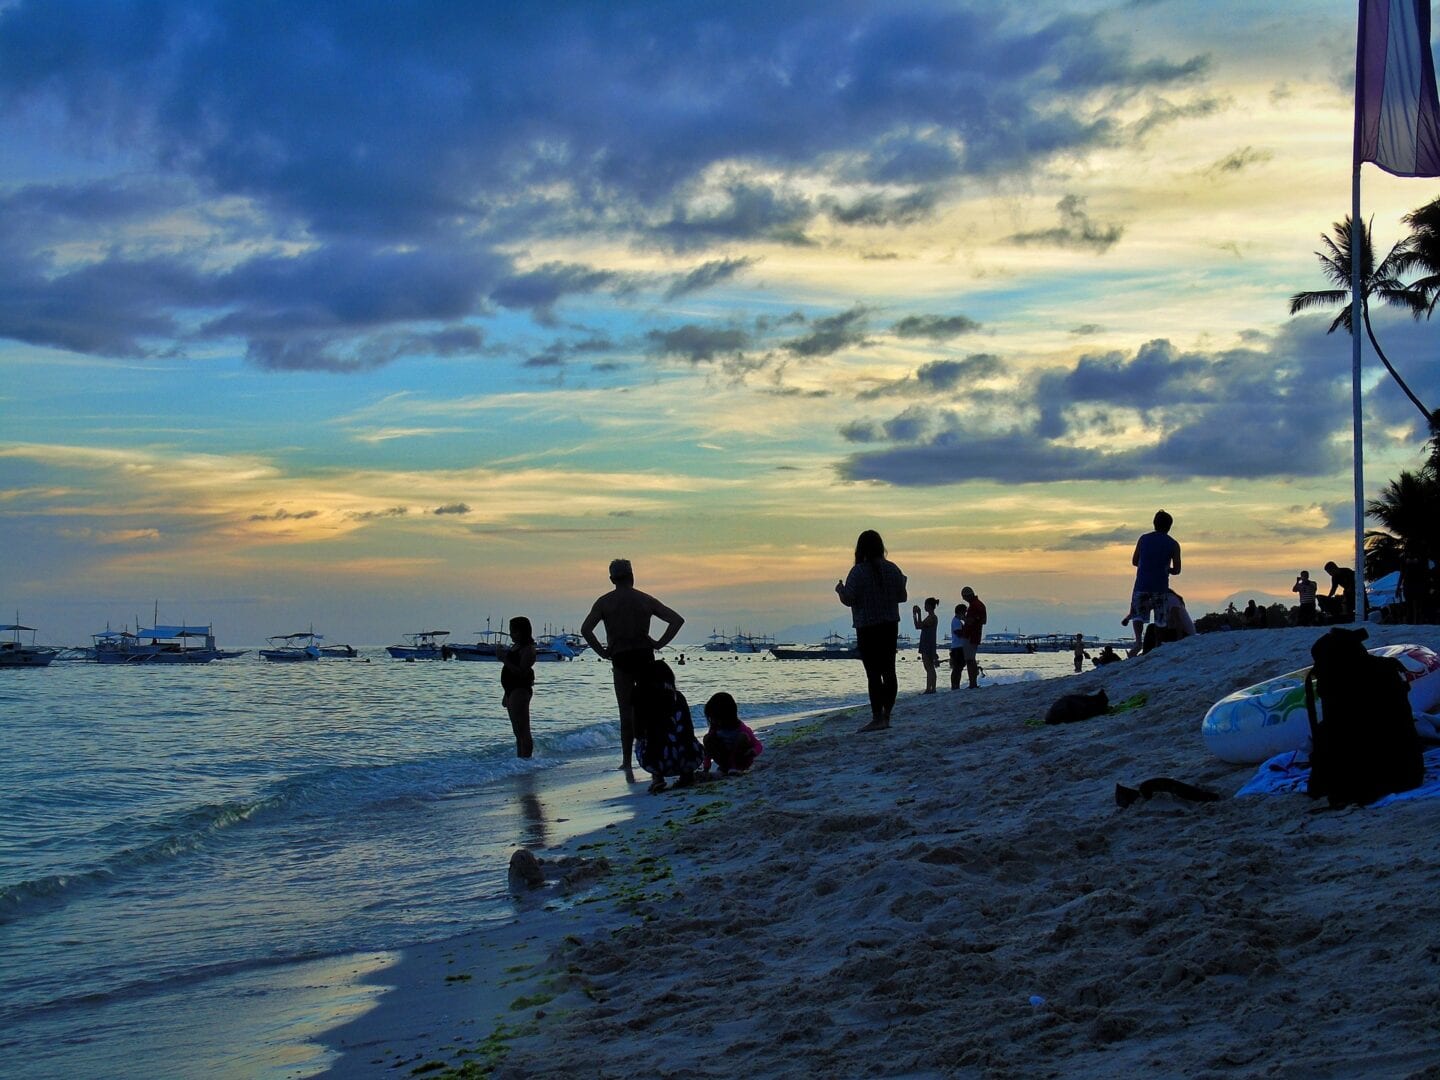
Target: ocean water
178, 843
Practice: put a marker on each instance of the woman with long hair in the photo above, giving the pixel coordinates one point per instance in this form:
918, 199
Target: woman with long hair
874, 591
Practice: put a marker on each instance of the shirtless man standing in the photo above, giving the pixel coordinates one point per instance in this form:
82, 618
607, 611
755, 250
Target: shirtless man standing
626, 613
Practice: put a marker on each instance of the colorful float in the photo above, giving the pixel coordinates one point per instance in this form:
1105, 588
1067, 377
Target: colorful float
1269, 718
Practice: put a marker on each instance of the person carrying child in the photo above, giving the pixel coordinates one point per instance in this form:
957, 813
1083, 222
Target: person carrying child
929, 654
517, 680
665, 743
729, 744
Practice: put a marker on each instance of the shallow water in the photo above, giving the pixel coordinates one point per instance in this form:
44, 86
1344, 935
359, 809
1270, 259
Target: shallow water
174, 841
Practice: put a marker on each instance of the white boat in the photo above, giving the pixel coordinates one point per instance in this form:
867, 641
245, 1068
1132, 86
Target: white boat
421, 645
751, 643
554, 647
17, 653
717, 642
301, 646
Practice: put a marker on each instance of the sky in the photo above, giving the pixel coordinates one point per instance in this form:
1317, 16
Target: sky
380, 317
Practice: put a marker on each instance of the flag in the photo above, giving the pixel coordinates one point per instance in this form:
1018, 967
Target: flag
1397, 115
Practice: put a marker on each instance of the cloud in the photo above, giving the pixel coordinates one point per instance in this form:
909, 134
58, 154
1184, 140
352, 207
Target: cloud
350, 176
376, 515
558, 353
1076, 229
459, 508
832, 333
1239, 161
698, 344
935, 327
286, 515
707, 276
1158, 413
940, 377
738, 210
879, 209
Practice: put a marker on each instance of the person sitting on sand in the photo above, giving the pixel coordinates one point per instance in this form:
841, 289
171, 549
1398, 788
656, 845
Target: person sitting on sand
926, 624
665, 743
1107, 656
729, 744
517, 679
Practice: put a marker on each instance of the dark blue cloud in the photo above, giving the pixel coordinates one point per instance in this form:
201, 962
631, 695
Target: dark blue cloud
707, 276
399, 154
941, 377
1240, 413
935, 327
832, 333
698, 344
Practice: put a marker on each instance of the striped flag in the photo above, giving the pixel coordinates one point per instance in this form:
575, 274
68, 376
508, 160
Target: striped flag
1397, 116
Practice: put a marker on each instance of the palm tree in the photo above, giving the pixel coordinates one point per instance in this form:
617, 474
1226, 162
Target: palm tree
1408, 509
1422, 252
1381, 281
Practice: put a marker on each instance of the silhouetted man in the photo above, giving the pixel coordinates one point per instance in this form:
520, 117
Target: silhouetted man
626, 613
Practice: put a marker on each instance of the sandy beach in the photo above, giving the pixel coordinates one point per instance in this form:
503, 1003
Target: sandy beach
958, 896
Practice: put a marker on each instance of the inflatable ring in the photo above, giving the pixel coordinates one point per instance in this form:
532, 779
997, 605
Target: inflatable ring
1269, 718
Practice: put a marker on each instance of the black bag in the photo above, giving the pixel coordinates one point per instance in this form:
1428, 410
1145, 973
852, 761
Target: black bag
1070, 708
1364, 741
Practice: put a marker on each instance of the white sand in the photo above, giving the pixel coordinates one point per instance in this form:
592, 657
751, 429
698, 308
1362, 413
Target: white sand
891, 904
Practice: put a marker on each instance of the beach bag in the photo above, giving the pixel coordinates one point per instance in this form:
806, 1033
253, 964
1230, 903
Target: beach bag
1363, 732
1071, 708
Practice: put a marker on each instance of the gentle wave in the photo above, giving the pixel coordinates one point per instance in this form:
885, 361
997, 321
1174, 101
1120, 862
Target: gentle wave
337, 791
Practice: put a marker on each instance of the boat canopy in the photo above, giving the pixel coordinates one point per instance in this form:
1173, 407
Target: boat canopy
17, 627
301, 634
173, 631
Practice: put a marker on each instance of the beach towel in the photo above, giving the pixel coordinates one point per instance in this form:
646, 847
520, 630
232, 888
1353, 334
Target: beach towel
1289, 773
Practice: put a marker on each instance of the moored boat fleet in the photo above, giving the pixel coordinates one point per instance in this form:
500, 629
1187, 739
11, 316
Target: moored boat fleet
195, 644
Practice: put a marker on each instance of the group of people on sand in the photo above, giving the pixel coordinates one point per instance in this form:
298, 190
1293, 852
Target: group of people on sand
656, 728
1316, 608
873, 590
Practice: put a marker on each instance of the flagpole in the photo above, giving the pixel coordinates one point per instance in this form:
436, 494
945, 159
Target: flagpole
1357, 314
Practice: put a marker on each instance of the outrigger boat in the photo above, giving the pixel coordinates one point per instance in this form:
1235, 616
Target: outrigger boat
831, 647
423, 645
289, 648
167, 645
16, 653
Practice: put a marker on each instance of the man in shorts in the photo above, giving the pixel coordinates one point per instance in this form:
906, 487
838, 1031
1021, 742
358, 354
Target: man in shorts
1156, 560
626, 613
971, 632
